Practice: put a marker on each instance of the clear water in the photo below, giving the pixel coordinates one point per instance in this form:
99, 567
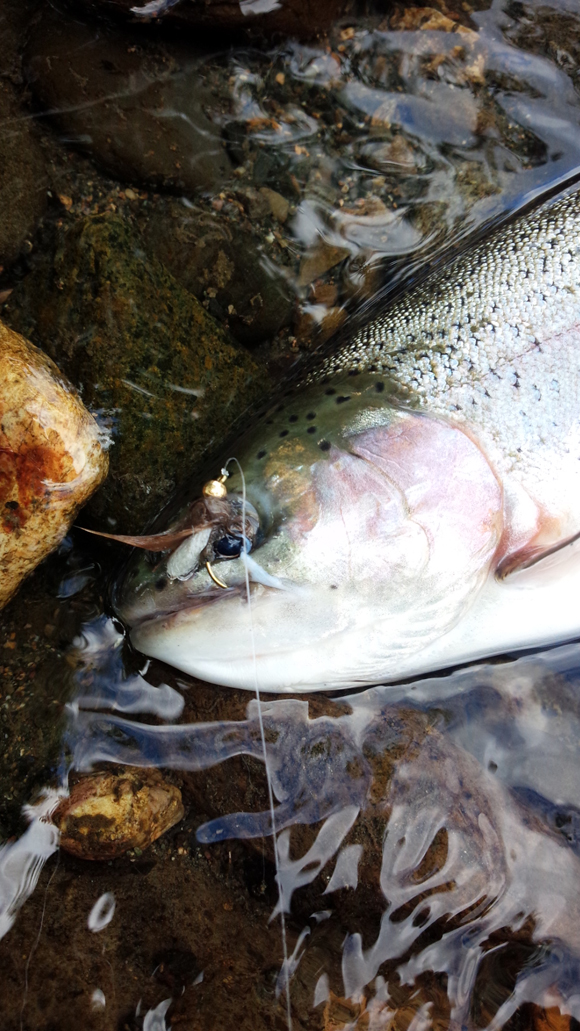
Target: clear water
428, 834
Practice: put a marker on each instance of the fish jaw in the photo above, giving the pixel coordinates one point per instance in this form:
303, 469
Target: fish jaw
382, 552
236, 644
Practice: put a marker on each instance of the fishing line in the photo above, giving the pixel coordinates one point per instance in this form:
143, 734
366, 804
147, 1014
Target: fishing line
263, 738
37, 940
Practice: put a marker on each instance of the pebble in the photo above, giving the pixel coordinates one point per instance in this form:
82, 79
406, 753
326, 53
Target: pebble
108, 813
319, 260
277, 204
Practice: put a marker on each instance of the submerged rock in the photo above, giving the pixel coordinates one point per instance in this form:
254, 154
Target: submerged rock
225, 266
132, 108
301, 18
143, 352
23, 179
108, 813
50, 458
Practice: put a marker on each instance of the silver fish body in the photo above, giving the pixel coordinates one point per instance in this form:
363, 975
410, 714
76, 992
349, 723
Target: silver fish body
414, 503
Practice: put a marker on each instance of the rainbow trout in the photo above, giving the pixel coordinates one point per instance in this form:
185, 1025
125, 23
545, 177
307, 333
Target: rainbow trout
413, 505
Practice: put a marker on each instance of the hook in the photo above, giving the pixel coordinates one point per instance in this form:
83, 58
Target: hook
216, 580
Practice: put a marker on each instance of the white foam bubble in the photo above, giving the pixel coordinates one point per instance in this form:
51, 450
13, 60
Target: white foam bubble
102, 912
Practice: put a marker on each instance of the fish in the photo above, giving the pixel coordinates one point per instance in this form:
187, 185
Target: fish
412, 505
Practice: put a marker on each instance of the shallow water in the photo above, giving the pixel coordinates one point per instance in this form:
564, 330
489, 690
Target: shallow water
429, 835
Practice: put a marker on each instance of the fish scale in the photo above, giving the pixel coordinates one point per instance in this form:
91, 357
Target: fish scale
492, 342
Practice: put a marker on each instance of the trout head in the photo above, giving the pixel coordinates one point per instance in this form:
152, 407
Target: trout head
364, 532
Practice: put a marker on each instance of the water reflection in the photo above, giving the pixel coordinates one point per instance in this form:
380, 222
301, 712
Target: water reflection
444, 121
393, 139
450, 805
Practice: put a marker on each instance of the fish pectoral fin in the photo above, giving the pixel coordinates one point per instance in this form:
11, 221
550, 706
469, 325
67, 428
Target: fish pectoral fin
532, 555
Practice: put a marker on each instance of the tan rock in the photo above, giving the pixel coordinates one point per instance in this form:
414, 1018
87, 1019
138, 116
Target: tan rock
50, 458
277, 204
425, 18
340, 1014
324, 293
108, 813
319, 260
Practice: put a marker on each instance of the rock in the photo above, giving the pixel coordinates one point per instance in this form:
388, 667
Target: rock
108, 813
50, 458
142, 351
23, 181
223, 265
324, 293
278, 205
134, 109
426, 18
363, 277
340, 1013
396, 155
319, 260
302, 18
317, 323
254, 202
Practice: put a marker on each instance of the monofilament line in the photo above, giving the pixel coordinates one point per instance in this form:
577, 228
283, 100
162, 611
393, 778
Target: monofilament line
36, 941
263, 738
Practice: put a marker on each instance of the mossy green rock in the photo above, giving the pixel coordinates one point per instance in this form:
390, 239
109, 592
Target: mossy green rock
144, 354
224, 263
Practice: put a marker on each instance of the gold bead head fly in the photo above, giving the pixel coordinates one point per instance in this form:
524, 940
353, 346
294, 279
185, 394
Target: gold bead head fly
215, 488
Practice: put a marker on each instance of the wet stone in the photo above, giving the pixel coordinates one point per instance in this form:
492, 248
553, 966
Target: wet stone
224, 266
320, 260
23, 181
133, 108
166, 380
318, 323
51, 459
396, 155
363, 277
108, 813
300, 18
277, 204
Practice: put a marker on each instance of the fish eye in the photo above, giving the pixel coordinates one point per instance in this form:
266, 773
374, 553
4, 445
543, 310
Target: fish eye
228, 546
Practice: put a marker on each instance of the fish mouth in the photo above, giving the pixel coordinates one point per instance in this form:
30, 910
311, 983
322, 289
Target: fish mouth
233, 643
204, 599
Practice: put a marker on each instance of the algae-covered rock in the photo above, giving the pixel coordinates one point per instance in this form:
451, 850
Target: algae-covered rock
23, 179
224, 265
50, 458
143, 352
